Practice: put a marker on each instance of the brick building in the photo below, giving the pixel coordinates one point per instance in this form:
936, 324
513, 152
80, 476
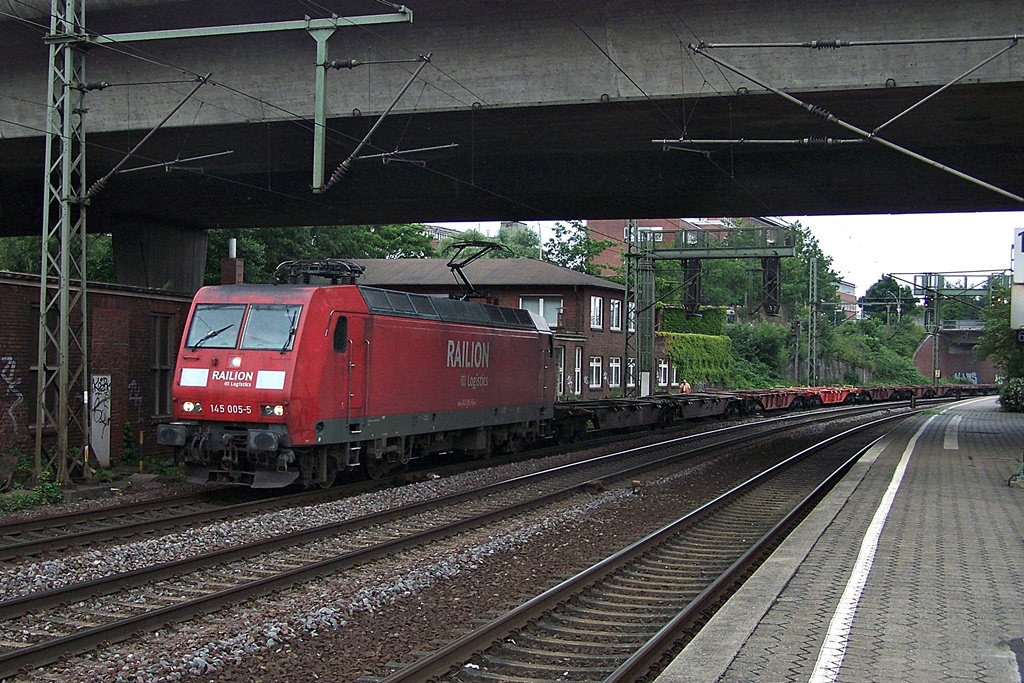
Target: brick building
133, 338
587, 314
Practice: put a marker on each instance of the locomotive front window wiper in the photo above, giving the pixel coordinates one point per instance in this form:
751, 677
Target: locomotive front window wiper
210, 335
291, 331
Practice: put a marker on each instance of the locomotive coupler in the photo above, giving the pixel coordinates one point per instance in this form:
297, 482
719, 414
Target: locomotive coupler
285, 459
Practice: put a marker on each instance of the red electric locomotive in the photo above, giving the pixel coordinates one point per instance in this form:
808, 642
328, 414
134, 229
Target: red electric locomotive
277, 384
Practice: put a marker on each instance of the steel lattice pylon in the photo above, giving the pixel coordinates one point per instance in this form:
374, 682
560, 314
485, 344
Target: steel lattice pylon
62, 379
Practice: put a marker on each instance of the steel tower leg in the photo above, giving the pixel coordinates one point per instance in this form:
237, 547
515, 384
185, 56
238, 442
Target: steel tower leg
62, 379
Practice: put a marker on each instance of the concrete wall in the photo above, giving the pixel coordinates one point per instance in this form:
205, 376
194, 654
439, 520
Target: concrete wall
499, 54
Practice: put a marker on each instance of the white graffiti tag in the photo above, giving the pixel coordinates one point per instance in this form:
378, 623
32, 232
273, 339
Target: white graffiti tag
7, 371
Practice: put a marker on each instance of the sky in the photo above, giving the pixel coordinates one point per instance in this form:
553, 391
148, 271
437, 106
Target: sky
863, 248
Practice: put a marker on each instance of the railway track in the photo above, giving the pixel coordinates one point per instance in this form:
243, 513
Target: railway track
20, 541
618, 619
38, 628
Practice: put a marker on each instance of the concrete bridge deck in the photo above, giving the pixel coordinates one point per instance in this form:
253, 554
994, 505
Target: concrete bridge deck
553, 106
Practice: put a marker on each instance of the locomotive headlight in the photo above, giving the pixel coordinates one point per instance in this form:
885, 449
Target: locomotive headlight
192, 407
272, 411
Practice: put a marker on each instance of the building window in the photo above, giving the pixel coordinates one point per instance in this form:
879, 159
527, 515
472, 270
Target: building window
560, 369
614, 372
615, 315
631, 316
631, 372
675, 375
162, 363
550, 307
596, 312
596, 368
662, 372
577, 375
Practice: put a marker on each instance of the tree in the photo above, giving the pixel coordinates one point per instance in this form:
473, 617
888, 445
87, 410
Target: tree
263, 249
998, 342
572, 247
889, 300
22, 255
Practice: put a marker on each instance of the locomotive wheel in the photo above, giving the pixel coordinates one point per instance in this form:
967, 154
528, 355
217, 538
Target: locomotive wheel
332, 473
375, 468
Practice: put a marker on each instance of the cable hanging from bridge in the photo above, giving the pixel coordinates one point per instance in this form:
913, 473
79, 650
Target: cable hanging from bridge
342, 169
102, 182
837, 44
701, 49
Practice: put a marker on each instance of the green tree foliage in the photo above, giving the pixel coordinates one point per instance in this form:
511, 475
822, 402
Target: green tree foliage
572, 247
889, 301
760, 354
263, 249
22, 255
998, 342
867, 344
699, 356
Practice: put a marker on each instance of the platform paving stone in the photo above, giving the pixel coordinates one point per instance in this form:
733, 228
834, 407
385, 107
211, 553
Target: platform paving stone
944, 600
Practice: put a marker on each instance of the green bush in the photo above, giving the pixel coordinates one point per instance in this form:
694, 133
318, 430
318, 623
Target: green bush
47, 493
760, 355
1011, 395
128, 450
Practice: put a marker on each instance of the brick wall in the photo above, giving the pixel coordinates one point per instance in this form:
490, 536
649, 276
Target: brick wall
121, 345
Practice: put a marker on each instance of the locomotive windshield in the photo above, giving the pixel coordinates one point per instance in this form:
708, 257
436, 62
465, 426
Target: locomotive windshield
215, 326
271, 326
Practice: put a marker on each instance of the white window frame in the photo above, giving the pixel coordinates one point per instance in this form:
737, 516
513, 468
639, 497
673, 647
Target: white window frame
540, 301
596, 370
674, 381
596, 312
614, 372
631, 316
615, 315
560, 366
577, 385
662, 372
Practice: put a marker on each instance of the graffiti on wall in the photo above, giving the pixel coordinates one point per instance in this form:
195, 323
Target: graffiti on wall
135, 398
8, 373
99, 416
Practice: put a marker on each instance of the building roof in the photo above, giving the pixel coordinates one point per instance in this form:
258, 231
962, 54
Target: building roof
482, 273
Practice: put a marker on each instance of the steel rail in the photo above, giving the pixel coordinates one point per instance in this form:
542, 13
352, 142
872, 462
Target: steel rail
36, 655
442, 661
654, 649
33, 602
124, 529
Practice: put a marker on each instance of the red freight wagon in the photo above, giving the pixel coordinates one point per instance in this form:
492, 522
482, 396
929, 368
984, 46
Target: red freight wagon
277, 384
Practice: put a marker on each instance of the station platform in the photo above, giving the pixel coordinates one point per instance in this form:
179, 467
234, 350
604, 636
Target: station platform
911, 569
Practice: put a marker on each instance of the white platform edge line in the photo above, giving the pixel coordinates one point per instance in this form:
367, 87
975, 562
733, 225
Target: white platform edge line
830, 657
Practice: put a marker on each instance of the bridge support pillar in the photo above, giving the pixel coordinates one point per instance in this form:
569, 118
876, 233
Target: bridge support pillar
160, 257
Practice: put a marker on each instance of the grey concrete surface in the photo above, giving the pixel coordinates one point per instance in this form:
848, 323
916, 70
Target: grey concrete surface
942, 598
553, 106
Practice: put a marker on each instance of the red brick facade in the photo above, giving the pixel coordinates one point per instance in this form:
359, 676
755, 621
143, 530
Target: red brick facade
132, 334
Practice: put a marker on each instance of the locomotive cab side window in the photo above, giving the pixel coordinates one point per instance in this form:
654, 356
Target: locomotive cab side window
271, 327
215, 326
341, 335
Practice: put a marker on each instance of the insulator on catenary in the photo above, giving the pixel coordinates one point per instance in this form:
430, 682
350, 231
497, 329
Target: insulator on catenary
820, 111
827, 44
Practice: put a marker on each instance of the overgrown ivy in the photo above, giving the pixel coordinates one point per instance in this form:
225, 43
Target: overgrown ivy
711, 321
699, 357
